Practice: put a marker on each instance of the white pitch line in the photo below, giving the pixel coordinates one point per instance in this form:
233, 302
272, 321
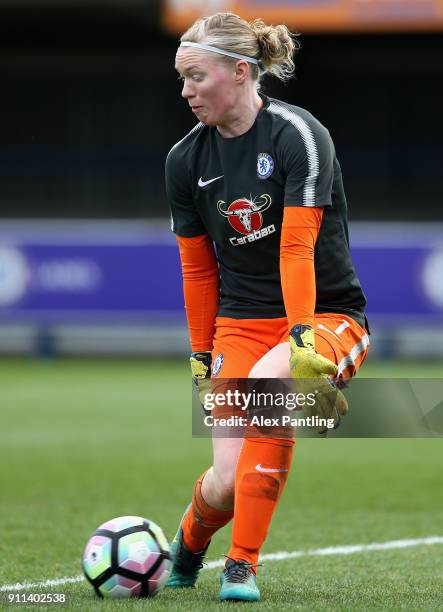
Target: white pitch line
340, 550
20, 586
278, 556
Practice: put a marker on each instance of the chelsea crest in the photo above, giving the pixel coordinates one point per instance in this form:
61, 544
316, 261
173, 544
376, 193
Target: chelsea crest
265, 165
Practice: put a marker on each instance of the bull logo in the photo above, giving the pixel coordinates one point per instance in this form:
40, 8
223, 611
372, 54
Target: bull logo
245, 215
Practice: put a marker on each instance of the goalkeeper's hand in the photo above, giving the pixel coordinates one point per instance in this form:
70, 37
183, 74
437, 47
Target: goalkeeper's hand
201, 373
305, 364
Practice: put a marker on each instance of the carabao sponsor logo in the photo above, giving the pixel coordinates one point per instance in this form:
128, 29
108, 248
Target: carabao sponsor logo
245, 216
253, 236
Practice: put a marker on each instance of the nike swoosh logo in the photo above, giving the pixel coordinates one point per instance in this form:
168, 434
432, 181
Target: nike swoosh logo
202, 183
260, 468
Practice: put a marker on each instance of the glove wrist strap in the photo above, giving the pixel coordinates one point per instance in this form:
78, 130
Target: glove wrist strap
299, 336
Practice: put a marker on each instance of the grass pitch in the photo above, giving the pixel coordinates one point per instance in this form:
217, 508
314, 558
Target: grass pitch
84, 441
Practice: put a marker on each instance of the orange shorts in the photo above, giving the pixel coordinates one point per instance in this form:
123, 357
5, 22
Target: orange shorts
240, 343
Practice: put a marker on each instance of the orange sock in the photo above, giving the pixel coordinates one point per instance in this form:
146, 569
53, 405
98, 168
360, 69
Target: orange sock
202, 521
262, 471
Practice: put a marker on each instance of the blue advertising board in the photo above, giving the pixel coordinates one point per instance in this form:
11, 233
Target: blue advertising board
127, 271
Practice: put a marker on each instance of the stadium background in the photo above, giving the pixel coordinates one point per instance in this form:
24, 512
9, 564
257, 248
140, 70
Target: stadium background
89, 270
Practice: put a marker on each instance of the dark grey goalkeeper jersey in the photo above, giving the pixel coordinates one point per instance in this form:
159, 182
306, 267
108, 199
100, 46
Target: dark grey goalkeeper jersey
234, 189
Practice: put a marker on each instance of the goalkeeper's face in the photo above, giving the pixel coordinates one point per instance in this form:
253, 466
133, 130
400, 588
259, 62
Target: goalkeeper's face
209, 85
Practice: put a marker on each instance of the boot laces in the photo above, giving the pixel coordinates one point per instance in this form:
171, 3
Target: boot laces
239, 571
189, 563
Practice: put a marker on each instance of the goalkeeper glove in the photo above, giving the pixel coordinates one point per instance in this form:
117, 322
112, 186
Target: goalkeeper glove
305, 363
201, 373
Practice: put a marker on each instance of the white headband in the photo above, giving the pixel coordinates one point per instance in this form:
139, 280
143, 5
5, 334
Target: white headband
251, 60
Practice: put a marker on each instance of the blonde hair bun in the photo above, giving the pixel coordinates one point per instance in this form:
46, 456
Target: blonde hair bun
277, 48
273, 46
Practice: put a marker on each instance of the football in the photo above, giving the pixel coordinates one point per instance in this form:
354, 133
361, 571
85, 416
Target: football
128, 556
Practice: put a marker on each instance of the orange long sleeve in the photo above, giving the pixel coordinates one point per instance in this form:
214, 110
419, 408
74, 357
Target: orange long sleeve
299, 233
200, 288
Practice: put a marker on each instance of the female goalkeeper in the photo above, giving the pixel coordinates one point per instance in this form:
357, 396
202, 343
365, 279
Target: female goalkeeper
260, 215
